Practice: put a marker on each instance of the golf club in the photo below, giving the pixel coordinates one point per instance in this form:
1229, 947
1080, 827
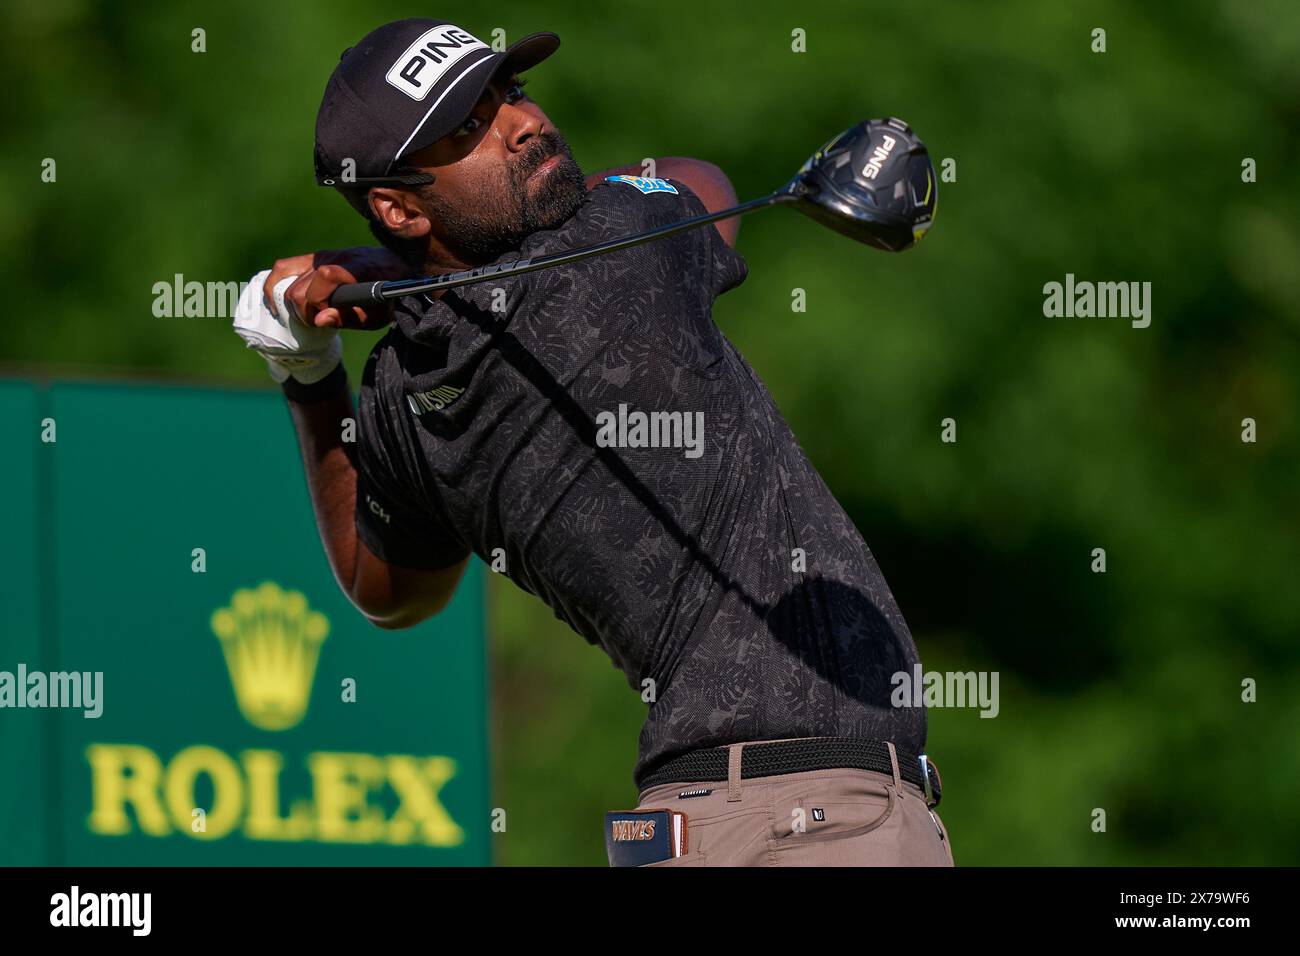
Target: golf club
873, 182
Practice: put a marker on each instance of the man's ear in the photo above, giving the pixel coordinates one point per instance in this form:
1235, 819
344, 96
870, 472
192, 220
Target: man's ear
399, 212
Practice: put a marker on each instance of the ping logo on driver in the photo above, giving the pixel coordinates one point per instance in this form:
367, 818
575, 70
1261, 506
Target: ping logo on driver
426, 60
878, 157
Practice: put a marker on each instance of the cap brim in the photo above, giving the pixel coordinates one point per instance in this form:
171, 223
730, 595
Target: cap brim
531, 50
519, 56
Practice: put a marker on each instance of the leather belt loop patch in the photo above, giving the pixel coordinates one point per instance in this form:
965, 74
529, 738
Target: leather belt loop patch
733, 772
893, 763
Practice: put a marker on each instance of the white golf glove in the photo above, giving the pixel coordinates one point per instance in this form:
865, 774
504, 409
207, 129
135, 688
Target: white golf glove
289, 345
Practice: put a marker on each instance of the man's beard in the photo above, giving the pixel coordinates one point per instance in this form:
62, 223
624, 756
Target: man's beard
507, 211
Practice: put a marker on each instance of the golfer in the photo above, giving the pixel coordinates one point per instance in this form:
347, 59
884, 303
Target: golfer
591, 434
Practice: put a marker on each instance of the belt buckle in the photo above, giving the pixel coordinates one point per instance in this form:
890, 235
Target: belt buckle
925, 776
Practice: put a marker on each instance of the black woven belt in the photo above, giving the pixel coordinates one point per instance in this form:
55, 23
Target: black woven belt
768, 759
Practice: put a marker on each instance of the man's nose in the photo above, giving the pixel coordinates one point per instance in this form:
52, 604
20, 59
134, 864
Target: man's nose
520, 126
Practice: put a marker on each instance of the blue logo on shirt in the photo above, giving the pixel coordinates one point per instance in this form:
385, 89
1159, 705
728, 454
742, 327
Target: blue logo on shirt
646, 186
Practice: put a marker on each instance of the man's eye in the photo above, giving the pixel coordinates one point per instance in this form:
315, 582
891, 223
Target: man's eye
469, 126
516, 91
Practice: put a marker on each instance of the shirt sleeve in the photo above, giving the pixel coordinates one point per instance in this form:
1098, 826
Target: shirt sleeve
392, 519
729, 266
626, 209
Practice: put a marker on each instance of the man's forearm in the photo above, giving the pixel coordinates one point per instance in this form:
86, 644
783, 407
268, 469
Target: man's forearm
331, 478
389, 597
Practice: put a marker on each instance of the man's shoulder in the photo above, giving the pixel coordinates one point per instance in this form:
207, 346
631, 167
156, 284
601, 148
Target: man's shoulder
645, 185
644, 197
617, 207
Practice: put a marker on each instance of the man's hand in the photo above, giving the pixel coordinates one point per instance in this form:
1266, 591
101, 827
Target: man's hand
318, 274
291, 349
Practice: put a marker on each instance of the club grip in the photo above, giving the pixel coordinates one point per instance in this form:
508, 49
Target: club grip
360, 295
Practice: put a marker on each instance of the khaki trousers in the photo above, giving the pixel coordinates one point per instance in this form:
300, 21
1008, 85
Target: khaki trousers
819, 818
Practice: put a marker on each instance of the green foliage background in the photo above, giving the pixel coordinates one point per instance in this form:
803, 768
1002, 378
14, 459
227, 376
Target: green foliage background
1119, 691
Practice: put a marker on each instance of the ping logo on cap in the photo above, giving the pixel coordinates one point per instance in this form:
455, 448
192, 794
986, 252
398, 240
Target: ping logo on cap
428, 58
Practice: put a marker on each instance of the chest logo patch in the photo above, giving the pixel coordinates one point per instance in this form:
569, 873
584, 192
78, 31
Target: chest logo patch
434, 400
646, 186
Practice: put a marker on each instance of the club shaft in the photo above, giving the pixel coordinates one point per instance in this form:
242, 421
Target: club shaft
396, 289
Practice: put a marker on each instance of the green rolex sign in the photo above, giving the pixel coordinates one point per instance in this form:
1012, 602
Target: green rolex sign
248, 713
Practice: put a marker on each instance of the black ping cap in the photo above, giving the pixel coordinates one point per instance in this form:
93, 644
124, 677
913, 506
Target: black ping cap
403, 87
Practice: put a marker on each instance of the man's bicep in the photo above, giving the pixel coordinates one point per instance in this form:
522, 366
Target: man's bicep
408, 565
393, 517
400, 533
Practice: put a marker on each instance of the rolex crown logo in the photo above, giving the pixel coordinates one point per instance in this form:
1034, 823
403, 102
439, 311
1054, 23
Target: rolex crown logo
271, 641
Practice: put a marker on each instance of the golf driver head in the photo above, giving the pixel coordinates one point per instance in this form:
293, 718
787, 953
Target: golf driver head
873, 182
